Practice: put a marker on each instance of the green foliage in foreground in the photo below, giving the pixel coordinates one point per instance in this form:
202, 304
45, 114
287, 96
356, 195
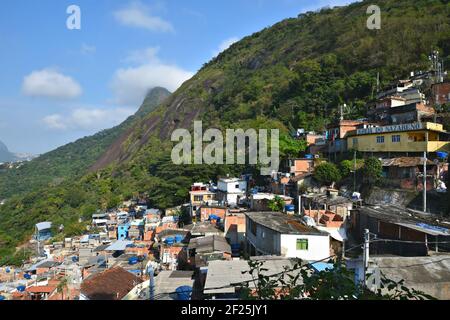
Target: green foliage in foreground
302, 282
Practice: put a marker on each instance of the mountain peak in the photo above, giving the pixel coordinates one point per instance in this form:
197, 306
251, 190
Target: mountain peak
5, 154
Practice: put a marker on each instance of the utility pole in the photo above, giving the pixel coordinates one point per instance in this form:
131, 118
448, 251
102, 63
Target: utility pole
366, 250
425, 182
425, 160
151, 285
354, 172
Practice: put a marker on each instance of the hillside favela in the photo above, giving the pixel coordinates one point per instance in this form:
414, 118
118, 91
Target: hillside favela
202, 151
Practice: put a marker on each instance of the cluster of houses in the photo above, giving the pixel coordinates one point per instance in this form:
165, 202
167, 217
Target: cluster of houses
200, 250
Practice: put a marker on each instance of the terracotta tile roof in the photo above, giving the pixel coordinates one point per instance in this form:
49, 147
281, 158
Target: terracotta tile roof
404, 162
41, 289
113, 284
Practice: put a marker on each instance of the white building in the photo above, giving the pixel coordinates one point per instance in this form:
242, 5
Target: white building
273, 233
231, 190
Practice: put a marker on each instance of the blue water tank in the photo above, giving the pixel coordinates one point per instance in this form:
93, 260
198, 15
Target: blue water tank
178, 238
21, 288
8, 270
75, 259
235, 247
2, 298
309, 156
27, 276
170, 241
184, 293
290, 208
442, 155
133, 260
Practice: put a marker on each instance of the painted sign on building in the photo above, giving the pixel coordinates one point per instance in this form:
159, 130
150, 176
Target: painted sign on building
393, 128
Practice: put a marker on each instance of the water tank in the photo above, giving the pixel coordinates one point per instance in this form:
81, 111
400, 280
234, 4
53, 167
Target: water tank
290, 208
2, 298
184, 293
178, 238
442, 155
75, 259
235, 247
8, 270
27, 276
170, 241
133, 260
21, 288
309, 156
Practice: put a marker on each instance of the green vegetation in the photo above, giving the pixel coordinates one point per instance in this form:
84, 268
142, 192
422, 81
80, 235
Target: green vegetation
277, 204
291, 75
327, 173
372, 170
336, 284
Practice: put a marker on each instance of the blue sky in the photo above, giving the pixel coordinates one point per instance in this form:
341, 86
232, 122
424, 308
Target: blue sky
58, 85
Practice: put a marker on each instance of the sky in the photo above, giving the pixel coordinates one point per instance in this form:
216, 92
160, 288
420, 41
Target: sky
64, 76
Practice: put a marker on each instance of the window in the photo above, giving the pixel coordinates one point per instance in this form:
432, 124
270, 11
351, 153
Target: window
380, 139
355, 141
198, 198
237, 186
396, 138
302, 244
253, 227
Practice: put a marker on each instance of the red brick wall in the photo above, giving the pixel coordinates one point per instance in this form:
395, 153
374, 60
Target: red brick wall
206, 212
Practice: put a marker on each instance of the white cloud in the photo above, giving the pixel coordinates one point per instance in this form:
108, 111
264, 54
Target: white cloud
88, 119
131, 84
225, 45
51, 84
87, 49
140, 16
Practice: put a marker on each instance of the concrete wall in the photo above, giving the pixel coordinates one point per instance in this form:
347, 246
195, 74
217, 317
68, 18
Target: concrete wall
266, 241
318, 247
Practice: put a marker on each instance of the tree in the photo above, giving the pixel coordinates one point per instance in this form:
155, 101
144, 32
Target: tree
62, 287
327, 173
277, 204
373, 169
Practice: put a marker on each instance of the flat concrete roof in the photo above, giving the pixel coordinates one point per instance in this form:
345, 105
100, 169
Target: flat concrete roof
283, 223
224, 276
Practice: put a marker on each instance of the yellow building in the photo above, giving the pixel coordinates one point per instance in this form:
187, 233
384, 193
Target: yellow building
200, 194
402, 138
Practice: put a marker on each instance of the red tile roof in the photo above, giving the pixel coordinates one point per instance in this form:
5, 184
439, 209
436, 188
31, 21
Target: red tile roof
41, 289
113, 284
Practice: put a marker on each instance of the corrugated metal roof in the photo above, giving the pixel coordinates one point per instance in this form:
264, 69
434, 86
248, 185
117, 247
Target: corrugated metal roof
119, 245
404, 162
43, 226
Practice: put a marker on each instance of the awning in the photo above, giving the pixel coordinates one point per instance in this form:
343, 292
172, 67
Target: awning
43, 226
120, 245
337, 234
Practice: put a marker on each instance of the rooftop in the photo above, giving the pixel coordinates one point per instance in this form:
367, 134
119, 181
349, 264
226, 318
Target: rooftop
409, 219
224, 276
113, 284
404, 162
210, 244
283, 223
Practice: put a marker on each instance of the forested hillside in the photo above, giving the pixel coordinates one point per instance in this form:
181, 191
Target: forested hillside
291, 75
